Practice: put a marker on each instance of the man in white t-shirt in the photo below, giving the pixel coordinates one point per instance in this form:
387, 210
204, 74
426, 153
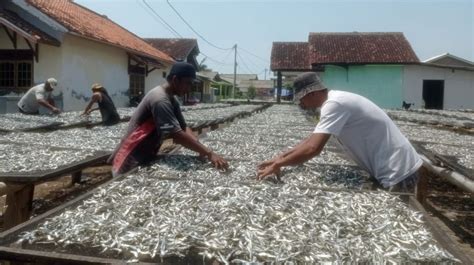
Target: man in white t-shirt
364, 130
40, 95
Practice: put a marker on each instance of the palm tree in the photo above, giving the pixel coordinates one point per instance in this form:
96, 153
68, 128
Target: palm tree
202, 66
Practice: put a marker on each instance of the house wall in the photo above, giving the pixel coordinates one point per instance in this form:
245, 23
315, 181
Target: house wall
155, 78
79, 64
458, 85
383, 84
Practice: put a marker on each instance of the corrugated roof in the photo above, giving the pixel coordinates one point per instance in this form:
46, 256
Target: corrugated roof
88, 24
290, 56
179, 49
360, 48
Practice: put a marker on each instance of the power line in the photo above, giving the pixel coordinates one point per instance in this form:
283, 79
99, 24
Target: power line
227, 56
163, 22
252, 62
246, 66
197, 33
214, 60
256, 56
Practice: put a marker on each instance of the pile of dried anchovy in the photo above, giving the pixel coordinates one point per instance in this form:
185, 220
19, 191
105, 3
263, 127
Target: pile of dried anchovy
181, 206
448, 113
18, 121
441, 142
143, 218
31, 158
430, 118
205, 106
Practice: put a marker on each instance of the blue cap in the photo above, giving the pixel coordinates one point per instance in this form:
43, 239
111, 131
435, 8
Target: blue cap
182, 69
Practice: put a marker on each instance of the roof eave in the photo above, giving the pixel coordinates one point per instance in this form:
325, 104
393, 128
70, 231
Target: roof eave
25, 34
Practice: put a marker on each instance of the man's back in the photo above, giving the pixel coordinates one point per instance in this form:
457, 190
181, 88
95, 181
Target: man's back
29, 101
369, 136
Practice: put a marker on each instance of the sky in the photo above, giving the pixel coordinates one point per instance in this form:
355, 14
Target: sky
432, 27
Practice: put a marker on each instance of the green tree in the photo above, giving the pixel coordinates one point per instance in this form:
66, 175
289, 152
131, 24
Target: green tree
202, 66
252, 92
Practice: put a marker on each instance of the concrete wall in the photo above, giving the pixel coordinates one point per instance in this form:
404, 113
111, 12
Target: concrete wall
155, 78
383, 84
458, 85
83, 62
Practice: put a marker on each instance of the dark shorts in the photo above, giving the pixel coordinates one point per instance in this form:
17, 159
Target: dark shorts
408, 185
28, 113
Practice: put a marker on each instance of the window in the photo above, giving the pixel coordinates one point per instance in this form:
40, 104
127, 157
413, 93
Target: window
24, 74
16, 69
137, 81
7, 74
137, 85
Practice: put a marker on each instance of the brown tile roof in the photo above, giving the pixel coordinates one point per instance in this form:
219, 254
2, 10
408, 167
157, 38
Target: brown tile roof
360, 48
91, 25
290, 56
16, 23
179, 49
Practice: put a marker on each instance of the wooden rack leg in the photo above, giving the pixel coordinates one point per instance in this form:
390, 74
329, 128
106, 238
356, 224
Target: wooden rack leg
19, 204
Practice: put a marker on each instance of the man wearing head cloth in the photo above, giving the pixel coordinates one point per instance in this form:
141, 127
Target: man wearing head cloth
365, 131
106, 106
40, 95
159, 115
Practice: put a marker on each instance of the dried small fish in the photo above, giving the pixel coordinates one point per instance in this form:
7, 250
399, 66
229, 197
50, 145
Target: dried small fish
181, 205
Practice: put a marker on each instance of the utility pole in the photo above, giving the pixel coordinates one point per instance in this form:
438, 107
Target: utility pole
235, 70
265, 74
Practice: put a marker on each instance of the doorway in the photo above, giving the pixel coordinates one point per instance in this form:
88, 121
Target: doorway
433, 94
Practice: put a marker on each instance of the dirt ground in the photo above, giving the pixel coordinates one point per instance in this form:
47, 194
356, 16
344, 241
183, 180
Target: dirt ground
455, 208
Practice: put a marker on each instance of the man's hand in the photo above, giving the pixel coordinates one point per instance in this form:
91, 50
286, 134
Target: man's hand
265, 164
55, 110
217, 161
269, 170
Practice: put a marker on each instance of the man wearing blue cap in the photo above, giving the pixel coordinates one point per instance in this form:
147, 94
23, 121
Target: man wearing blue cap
159, 115
365, 131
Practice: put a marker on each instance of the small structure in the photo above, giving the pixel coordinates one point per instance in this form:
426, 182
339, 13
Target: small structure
62, 39
441, 82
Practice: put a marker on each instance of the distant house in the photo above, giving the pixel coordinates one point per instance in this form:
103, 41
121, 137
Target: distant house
240, 81
183, 50
214, 87
263, 88
186, 50
447, 59
381, 66
62, 39
442, 82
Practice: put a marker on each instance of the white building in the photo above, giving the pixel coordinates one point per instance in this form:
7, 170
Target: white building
442, 82
61, 39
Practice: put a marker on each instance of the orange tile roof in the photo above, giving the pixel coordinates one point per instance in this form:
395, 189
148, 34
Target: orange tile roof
177, 48
360, 48
89, 24
290, 56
